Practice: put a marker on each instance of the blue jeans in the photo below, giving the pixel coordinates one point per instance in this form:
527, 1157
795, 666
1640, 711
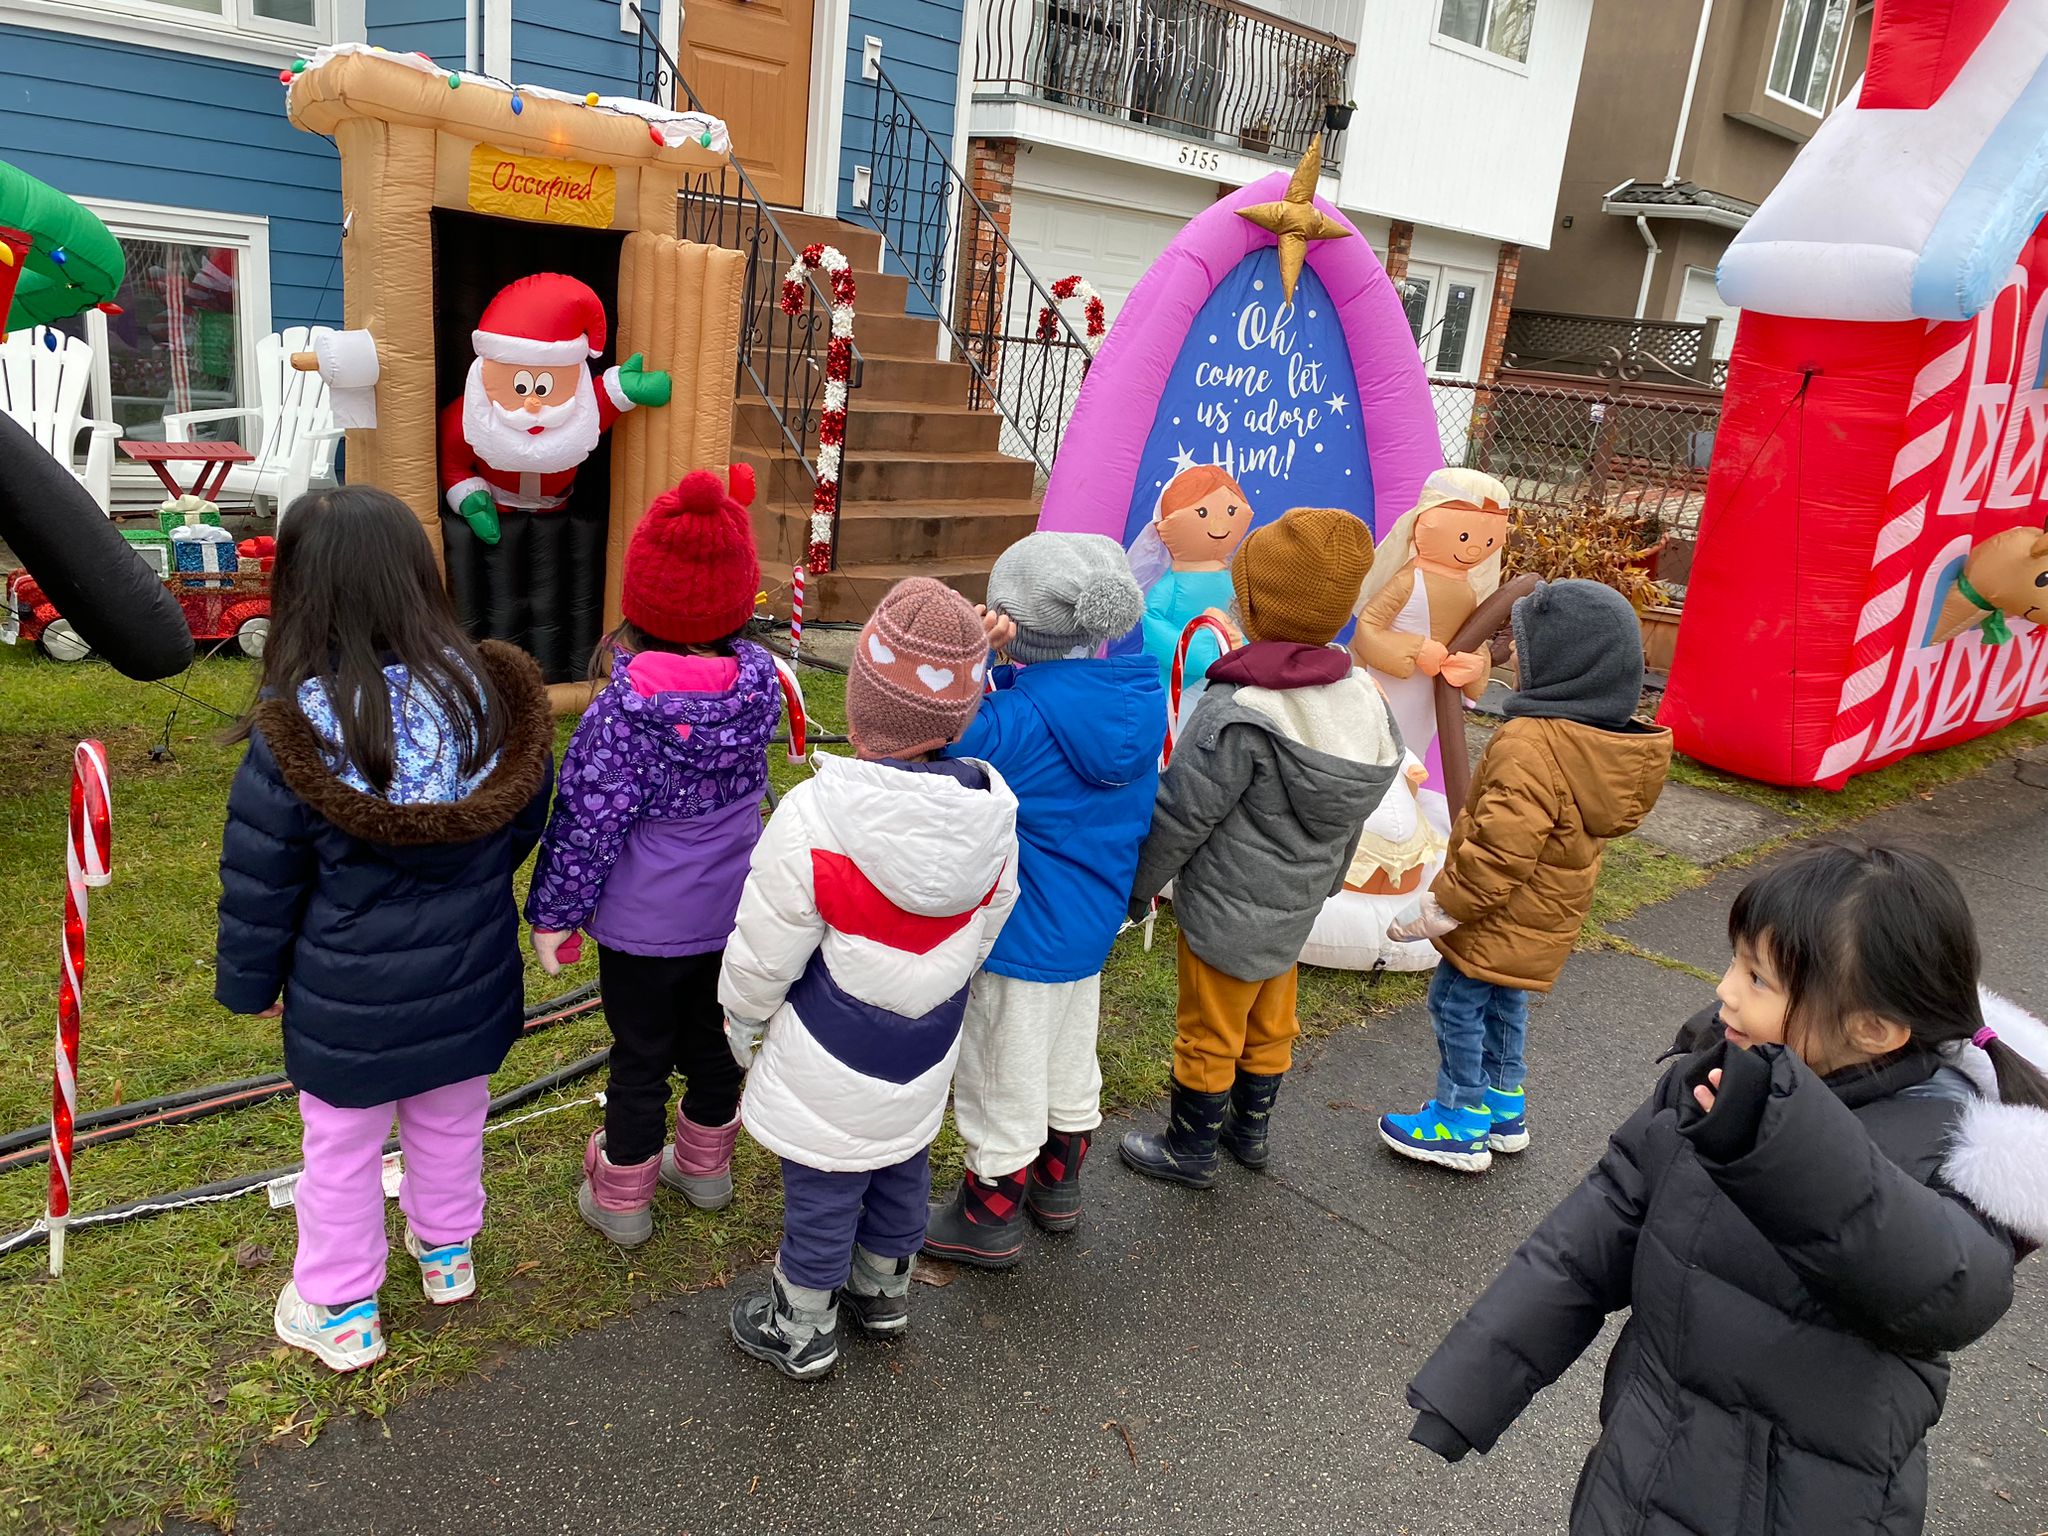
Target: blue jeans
1480, 1028
825, 1214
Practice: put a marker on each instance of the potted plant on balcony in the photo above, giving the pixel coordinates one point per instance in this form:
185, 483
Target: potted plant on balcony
1337, 115
1256, 136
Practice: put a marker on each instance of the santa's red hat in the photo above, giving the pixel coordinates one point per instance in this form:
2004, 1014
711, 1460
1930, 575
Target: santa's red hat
544, 320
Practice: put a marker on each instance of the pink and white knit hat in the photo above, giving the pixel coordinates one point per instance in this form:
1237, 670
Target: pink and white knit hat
917, 671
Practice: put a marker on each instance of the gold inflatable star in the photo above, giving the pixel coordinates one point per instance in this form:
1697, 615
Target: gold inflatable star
1295, 219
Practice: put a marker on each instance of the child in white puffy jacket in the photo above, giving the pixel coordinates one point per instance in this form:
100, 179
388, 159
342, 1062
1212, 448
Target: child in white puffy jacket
876, 892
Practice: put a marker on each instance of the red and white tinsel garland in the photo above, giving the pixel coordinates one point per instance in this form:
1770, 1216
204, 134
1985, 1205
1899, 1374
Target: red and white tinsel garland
1092, 312
838, 370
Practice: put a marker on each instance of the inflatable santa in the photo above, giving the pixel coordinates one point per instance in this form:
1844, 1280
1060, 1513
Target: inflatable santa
531, 411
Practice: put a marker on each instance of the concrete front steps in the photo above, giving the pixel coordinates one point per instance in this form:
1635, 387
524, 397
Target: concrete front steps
926, 490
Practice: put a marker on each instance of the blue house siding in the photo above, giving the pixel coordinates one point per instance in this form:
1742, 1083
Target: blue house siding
106, 119
921, 52
433, 27
576, 45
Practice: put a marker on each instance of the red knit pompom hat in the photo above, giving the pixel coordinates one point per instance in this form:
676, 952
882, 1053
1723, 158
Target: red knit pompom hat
691, 571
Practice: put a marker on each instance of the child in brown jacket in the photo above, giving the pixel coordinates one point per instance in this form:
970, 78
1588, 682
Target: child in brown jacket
1569, 770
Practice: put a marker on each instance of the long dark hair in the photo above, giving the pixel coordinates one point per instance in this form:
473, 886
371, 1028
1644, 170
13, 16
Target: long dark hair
356, 589
1877, 932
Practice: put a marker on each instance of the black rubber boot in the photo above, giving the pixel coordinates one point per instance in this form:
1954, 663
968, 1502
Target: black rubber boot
1053, 1196
1185, 1153
876, 1295
982, 1224
1250, 1112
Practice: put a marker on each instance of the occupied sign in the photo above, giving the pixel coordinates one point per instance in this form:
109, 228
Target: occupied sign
534, 187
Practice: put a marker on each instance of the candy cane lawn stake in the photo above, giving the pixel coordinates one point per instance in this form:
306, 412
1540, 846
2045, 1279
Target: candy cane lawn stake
796, 613
793, 697
1225, 640
85, 865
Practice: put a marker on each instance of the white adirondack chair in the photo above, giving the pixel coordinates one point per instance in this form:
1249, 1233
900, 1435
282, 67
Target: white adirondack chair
44, 389
291, 429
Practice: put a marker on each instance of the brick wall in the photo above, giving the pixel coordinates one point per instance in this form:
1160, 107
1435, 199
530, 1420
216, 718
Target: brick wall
991, 173
1400, 241
1505, 273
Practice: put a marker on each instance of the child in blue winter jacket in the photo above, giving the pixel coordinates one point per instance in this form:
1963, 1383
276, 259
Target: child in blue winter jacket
659, 811
1077, 739
396, 776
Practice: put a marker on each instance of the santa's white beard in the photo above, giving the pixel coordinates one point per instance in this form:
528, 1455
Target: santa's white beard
505, 440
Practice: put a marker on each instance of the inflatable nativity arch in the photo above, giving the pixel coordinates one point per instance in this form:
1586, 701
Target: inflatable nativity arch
500, 244
1264, 362
1872, 572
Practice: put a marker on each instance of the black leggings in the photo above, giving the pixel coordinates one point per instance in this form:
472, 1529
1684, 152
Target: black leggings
664, 1015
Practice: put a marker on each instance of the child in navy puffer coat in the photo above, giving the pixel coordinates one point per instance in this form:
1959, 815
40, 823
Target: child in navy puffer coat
1077, 739
659, 811
396, 777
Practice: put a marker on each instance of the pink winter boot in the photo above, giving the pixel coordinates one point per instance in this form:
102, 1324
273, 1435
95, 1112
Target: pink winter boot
699, 1162
617, 1200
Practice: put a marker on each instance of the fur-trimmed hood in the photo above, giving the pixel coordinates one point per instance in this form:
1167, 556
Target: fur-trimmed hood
521, 769
1997, 1158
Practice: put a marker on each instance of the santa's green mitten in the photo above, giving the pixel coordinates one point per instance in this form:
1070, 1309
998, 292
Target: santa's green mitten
643, 385
479, 509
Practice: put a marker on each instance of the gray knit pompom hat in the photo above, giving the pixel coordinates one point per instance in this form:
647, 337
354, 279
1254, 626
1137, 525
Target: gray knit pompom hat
1068, 593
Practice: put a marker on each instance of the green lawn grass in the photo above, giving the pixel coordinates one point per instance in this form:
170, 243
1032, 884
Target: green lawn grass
132, 1386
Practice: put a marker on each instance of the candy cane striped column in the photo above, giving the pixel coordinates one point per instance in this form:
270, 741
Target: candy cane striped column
1887, 610
1224, 640
793, 699
86, 864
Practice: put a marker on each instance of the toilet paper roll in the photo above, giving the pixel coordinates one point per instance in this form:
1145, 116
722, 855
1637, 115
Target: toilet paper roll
348, 362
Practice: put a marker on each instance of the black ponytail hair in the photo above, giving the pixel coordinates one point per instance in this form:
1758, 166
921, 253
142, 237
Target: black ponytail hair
1879, 932
354, 590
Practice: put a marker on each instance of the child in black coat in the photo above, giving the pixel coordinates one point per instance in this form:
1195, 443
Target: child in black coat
1816, 1205
396, 777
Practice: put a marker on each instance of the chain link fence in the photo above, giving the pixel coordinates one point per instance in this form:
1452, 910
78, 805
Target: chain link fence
1641, 455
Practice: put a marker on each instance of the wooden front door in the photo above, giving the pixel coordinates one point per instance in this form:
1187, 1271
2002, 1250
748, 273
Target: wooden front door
749, 61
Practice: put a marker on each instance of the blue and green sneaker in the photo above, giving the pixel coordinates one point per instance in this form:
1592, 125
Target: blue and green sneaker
1508, 1107
1450, 1138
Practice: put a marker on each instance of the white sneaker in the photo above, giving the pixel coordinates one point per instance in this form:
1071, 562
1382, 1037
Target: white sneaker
447, 1274
345, 1338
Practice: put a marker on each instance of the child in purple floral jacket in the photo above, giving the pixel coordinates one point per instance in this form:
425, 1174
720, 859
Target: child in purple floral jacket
655, 820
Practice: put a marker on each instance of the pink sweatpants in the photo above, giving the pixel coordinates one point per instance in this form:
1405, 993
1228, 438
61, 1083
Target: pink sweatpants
340, 1196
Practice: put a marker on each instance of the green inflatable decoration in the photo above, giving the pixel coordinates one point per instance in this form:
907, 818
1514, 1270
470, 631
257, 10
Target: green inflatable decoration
56, 258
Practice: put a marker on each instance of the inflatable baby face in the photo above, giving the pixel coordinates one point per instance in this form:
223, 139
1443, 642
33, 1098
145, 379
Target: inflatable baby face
1456, 535
2010, 571
1203, 517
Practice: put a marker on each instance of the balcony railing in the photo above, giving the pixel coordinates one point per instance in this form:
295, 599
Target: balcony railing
1208, 70
1615, 347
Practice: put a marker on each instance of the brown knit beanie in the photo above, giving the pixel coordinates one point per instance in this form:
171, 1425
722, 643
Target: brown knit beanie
1297, 578
917, 671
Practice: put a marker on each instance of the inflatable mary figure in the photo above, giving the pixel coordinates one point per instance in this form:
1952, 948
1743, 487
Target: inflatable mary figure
1438, 563
1182, 561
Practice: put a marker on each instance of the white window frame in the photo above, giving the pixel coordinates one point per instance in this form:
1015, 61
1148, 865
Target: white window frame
236, 32
1806, 8
248, 236
1441, 277
1481, 53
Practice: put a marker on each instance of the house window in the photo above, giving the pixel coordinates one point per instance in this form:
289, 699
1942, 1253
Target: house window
194, 302
1803, 61
295, 20
1499, 27
1441, 303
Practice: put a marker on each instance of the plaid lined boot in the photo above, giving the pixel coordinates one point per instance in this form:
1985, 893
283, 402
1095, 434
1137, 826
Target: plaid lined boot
982, 1224
1053, 1196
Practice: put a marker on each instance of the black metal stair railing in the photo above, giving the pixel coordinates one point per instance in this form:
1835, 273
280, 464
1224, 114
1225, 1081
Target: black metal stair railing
1025, 358
782, 356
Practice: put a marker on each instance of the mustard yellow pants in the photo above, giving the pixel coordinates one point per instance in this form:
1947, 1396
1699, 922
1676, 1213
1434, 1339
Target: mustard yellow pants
1226, 1026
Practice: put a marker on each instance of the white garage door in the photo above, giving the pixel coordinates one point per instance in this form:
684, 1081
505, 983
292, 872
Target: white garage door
1110, 246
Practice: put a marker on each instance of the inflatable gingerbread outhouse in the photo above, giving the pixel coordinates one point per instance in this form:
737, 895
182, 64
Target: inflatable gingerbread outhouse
531, 355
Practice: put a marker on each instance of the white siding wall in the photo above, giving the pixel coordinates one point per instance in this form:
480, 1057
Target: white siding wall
1447, 139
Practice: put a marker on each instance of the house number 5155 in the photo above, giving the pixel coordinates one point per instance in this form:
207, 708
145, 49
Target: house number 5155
1200, 159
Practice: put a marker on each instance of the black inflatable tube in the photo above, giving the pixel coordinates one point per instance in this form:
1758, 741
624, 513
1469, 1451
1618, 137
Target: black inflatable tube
84, 566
